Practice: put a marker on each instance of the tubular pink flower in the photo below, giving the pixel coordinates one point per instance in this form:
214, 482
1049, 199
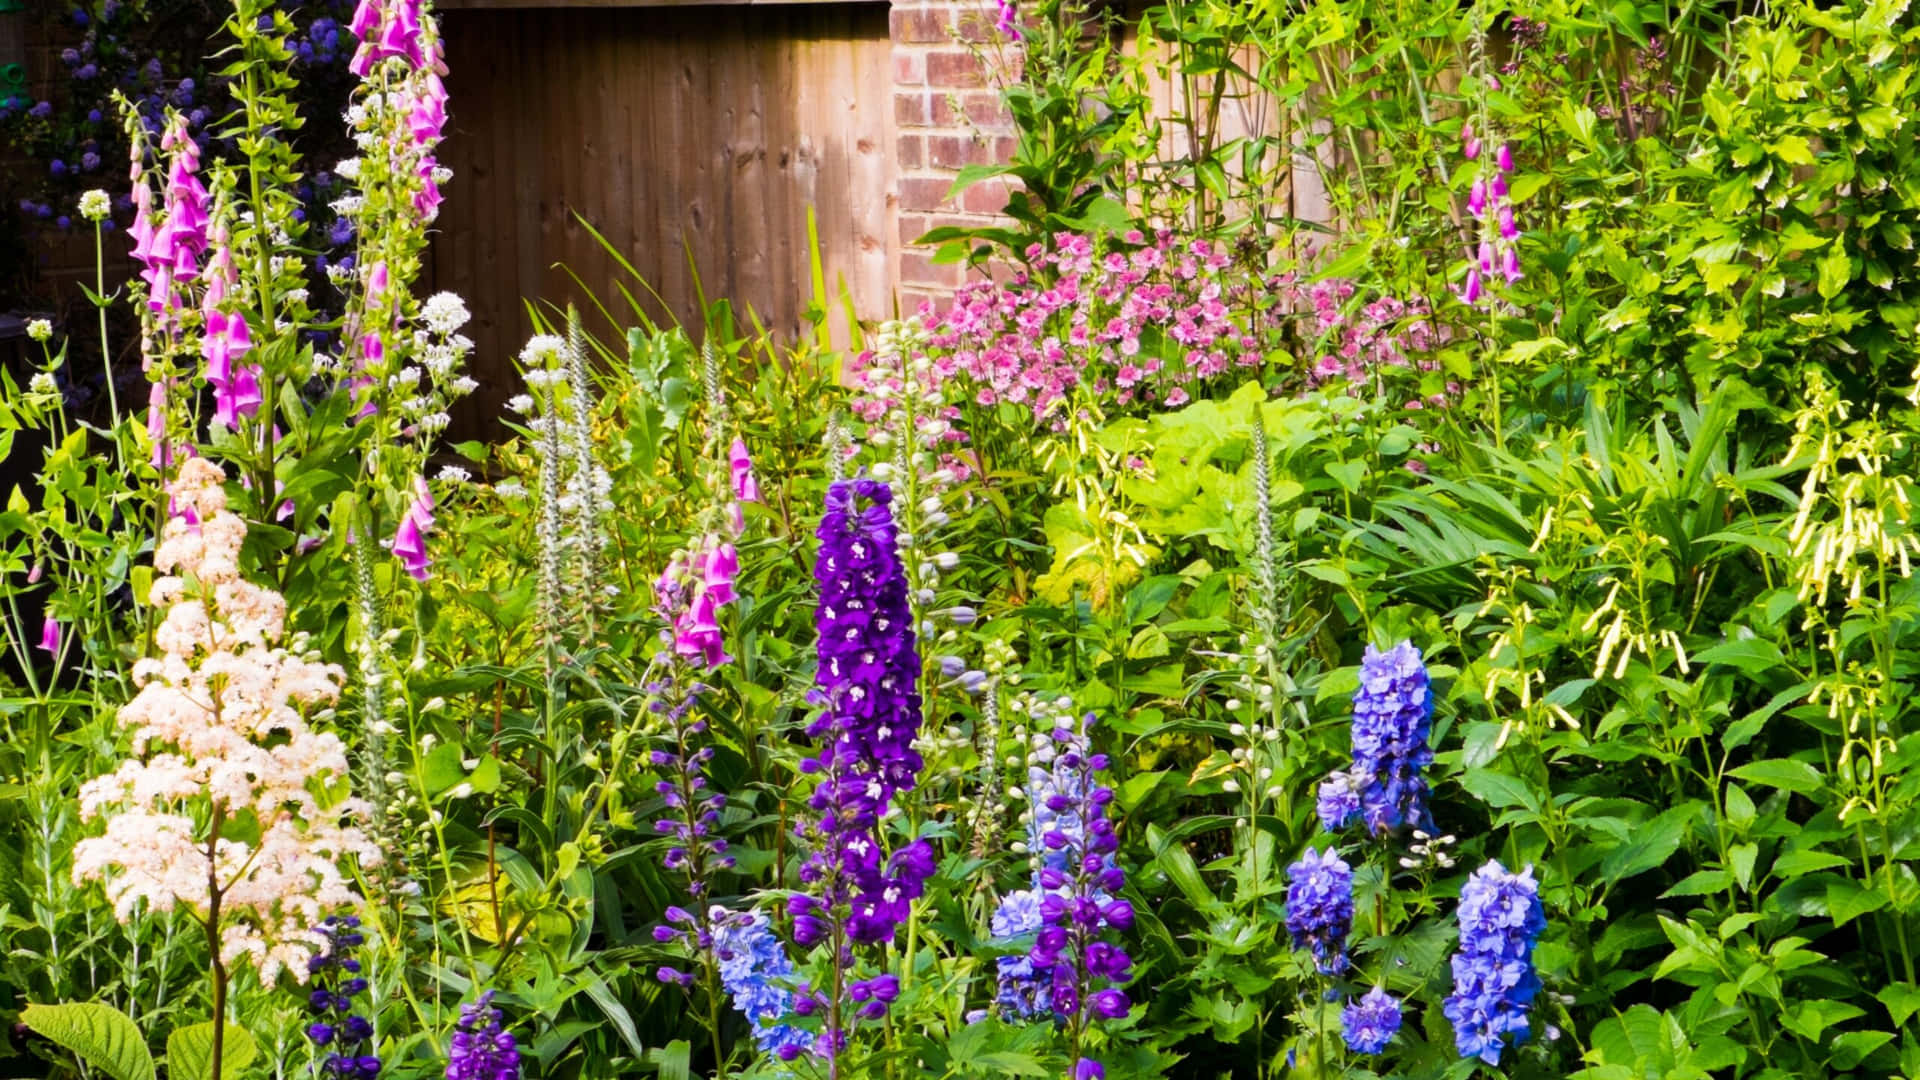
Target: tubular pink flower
745, 487
410, 542
1503, 158
50, 634
236, 388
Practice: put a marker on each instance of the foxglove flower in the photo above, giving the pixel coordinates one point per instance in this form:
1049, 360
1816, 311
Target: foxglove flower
1392, 719
410, 541
343, 1034
1494, 982
482, 1049
50, 634
1370, 1023
1320, 908
757, 973
745, 487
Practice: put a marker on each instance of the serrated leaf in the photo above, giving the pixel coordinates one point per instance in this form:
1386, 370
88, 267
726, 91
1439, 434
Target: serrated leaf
100, 1035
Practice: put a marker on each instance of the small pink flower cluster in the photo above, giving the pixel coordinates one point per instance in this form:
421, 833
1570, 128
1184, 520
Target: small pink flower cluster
1386, 332
401, 30
1126, 318
224, 796
236, 386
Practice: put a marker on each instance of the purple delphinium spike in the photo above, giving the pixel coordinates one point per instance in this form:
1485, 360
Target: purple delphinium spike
690, 823
1392, 719
1320, 908
1080, 880
868, 687
1494, 982
343, 1035
482, 1049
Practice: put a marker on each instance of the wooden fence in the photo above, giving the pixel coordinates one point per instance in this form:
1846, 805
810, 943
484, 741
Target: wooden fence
682, 135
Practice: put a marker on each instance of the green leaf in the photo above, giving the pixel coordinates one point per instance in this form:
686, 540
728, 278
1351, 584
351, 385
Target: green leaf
673, 1061
100, 1035
1902, 1001
1853, 1047
190, 1052
1700, 883
1499, 790
1847, 901
1649, 845
1785, 774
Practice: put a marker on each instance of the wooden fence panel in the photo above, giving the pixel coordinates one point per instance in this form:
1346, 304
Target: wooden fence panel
670, 130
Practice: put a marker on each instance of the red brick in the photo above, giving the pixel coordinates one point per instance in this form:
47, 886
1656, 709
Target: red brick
953, 69
953, 151
909, 68
911, 299
978, 108
921, 25
1004, 148
910, 109
912, 226
912, 152
985, 197
924, 193
920, 269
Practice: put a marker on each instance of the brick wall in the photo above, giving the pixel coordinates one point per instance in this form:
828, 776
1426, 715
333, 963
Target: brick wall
947, 114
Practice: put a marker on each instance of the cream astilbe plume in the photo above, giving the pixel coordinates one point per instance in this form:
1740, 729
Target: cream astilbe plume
232, 806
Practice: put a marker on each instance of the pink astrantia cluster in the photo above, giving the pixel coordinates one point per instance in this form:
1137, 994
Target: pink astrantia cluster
1488, 202
229, 792
1126, 318
1352, 344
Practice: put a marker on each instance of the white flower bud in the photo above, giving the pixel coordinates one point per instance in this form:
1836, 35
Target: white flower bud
1231, 785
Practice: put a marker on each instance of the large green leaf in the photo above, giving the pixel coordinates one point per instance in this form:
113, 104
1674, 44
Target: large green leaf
100, 1035
190, 1052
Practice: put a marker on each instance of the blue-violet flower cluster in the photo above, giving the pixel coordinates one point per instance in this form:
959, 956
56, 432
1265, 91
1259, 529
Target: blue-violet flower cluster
1392, 719
756, 971
1320, 908
343, 1034
868, 683
1370, 1023
1494, 982
482, 1049
1078, 879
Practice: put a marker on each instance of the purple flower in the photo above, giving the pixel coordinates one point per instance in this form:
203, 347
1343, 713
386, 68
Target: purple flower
1320, 908
1392, 716
1337, 802
41, 110
1370, 1023
1494, 983
481, 1048
1080, 877
50, 634
334, 971
757, 974
867, 682
410, 542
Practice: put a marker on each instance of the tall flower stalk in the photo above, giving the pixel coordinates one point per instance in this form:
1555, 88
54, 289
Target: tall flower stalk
217, 813
867, 685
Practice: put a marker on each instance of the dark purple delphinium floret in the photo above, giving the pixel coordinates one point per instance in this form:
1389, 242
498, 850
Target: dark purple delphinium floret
482, 1049
343, 1034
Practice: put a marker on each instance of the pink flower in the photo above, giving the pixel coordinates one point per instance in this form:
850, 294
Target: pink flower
50, 634
1477, 199
1473, 291
410, 542
722, 566
236, 389
745, 487
1503, 158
